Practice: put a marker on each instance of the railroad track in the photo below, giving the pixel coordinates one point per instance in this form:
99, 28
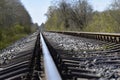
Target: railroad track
66, 56
24, 65
96, 56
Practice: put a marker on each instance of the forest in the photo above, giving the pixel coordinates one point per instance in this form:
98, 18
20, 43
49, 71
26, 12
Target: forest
15, 22
78, 15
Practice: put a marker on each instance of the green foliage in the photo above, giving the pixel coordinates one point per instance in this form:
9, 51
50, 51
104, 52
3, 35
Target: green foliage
7, 40
15, 22
54, 22
102, 22
9, 35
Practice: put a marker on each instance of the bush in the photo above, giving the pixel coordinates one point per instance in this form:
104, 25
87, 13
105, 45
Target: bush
10, 35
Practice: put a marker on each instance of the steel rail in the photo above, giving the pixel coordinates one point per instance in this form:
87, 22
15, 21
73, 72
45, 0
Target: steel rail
89, 33
51, 71
109, 37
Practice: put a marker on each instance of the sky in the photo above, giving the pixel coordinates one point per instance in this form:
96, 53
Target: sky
38, 8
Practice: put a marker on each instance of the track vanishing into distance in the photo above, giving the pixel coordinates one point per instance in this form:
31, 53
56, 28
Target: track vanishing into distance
62, 56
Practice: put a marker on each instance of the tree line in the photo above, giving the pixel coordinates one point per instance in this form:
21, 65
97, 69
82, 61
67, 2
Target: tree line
79, 15
15, 22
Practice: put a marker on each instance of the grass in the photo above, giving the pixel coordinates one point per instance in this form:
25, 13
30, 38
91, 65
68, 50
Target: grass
10, 39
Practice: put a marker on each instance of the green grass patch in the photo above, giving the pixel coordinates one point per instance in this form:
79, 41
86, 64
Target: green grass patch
10, 39
9, 35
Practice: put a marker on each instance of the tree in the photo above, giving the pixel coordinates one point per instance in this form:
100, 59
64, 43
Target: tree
81, 13
64, 8
115, 13
69, 14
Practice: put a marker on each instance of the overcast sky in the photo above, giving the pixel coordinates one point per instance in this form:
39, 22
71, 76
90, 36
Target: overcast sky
38, 8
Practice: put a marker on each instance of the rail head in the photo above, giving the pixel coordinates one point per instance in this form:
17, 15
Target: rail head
51, 71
